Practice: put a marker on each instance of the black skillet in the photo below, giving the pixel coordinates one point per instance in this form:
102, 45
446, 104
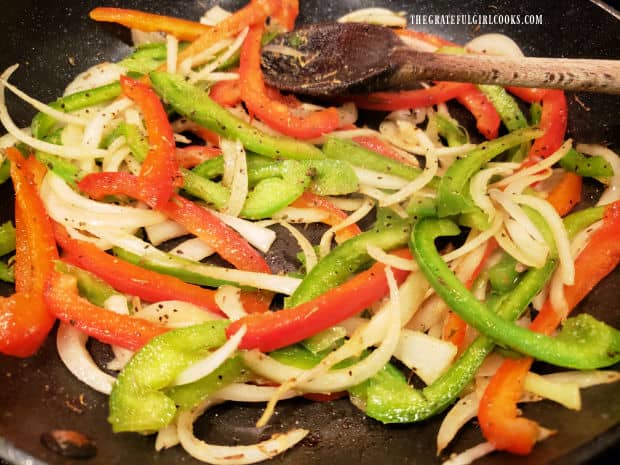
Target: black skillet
54, 41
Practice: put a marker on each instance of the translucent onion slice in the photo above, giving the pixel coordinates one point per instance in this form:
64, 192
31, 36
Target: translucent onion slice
506, 243
193, 249
239, 392
93, 133
71, 345
236, 174
380, 16
566, 394
475, 241
214, 16
301, 215
163, 231
357, 215
478, 186
175, 313
172, 51
509, 204
536, 251
139, 37
95, 76
260, 237
203, 57
304, 244
22, 136
228, 298
379, 180
494, 44
221, 59
430, 169
167, 437
391, 260
470, 455
209, 364
231, 455
612, 193
585, 379
464, 410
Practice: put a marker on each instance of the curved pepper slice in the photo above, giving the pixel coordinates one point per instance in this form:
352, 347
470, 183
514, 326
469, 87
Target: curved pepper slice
584, 343
375, 144
137, 402
479, 105
132, 279
24, 320
159, 172
273, 112
553, 121
273, 330
498, 413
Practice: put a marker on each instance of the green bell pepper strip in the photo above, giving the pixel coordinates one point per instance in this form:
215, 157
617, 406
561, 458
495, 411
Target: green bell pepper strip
7, 272
421, 207
535, 113
147, 57
91, 287
43, 124
7, 238
591, 167
509, 112
172, 265
453, 193
64, 168
585, 343
345, 259
341, 149
450, 130
189, 395
137, 402
193, 103
5, 171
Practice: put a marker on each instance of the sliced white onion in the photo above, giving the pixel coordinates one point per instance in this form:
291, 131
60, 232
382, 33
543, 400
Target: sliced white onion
476, 241
236, 175
612, 193
212, 362
378, 179
193, 249
429, 357
40, 106
231, 455
585, 379
206, 55
346, 204
380, 16
510, 205
167, 437
163, 231
139, 37
430, 169
260, 237
214, 16
357, 215
221, 59
114, 160
470, 455
536, 251
464, 410
566, 394
478, 186
228, 298
95, 76
304, 244
71, 345
556, 295
175, 314
102, 121
172, 52
399, 263
301, 215
240, 392
431, 312
494, 44
22, 136
504, 241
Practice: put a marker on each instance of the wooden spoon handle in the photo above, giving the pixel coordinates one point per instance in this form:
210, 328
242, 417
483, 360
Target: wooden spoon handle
559, 73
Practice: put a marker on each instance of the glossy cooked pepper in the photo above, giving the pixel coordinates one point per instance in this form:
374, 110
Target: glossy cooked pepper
7, 238
584, 343
194, 104
137, 402
553, 121
583, 165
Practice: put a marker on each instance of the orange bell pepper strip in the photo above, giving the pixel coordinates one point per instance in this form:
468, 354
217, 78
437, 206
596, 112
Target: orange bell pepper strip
425, 37
375, 144
197, 220
226, 93
335, 215
498, 413
129, 278
24, 320
566, 193
182, 29
274, 112
287, 14
273, 330
159, 172
63, 301
553, 121
192, 155
406, 99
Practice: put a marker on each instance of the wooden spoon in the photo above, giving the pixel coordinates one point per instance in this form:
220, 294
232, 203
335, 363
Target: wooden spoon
345, 58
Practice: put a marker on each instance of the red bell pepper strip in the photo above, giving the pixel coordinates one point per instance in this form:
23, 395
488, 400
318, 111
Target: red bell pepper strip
455, 328
129, 278
426, 37
253, 13
192, 155
478, 104
64, 302
273, 330
272, 111
287, 14
335, 215
553, 120
566, 193
406, 99
197, 220
527, 94
226, 93
24, 320
182, 29
159, 172
375, 144
498, 413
